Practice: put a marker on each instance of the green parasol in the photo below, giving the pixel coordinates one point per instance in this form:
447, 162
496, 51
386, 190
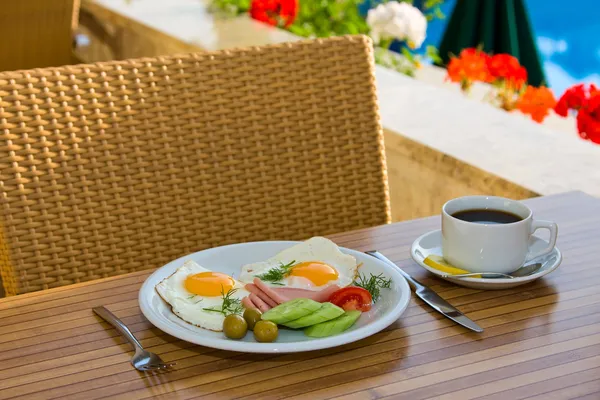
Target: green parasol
498, 26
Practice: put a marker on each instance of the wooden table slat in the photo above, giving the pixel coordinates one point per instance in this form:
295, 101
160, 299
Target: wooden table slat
541, 341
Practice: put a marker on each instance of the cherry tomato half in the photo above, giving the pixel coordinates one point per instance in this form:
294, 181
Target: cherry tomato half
352, 298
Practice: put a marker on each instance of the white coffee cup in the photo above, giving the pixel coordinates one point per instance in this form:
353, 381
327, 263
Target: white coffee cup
481, 247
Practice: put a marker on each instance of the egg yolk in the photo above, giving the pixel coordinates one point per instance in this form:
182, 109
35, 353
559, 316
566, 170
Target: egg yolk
209, 284
317, 272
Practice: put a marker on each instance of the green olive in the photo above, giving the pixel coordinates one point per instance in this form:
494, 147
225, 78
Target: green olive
252, 316
234, 326
265, 331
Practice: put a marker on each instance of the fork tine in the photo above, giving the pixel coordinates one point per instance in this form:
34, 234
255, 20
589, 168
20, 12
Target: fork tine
150, 367
158, 366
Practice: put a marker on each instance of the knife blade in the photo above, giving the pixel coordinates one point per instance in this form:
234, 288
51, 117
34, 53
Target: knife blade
430, 297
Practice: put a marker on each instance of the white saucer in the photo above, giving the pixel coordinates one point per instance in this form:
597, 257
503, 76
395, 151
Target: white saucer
431, 244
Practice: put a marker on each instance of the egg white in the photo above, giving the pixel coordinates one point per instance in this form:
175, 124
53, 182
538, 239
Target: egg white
190, 307
314, 249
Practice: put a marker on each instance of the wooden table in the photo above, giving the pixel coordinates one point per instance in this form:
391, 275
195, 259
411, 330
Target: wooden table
541, 341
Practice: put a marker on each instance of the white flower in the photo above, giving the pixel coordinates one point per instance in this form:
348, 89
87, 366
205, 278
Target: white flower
400, 21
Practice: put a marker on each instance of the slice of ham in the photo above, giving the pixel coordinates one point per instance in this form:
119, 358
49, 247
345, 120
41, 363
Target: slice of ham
320, 296
261, 305
253, 301
252, 288
266, 289
247, 303
265, 297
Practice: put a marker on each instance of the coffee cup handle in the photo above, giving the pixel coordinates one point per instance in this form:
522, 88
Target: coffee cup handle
553, 228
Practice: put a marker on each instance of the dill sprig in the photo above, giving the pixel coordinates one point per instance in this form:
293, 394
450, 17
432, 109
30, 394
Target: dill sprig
274, 275
230, 305
374, 284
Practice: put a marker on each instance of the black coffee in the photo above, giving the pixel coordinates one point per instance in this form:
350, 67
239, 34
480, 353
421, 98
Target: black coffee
483, 216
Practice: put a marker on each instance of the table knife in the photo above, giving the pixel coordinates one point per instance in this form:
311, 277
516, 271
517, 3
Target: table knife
430, 297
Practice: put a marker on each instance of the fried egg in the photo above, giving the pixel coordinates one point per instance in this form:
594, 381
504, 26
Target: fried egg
315, 264
192, 289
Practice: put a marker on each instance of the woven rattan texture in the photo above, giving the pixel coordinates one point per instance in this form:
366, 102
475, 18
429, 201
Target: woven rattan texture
116, 167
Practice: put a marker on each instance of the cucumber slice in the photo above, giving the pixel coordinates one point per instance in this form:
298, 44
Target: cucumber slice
291, 310
334, 326
327, 312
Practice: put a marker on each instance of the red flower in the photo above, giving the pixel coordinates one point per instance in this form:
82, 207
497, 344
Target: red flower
508, 68
586, 101
469, 67
582, 122
517, 78
573, 98
502, 65
536, 102
588, 118
475, 53
274, 12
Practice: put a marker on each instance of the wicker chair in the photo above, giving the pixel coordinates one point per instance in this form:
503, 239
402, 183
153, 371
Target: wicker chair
122, 166
37, 33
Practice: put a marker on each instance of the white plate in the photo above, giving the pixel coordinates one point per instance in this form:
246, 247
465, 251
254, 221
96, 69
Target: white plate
431, 244
229, 259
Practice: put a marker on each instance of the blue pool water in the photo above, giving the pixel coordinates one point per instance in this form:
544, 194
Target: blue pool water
567, 35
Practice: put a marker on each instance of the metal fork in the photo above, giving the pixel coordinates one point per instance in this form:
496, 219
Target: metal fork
142, 360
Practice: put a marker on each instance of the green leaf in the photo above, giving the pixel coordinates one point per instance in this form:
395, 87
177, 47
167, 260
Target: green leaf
352, 29
437, 12
429, 4
432, 52
409, 56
